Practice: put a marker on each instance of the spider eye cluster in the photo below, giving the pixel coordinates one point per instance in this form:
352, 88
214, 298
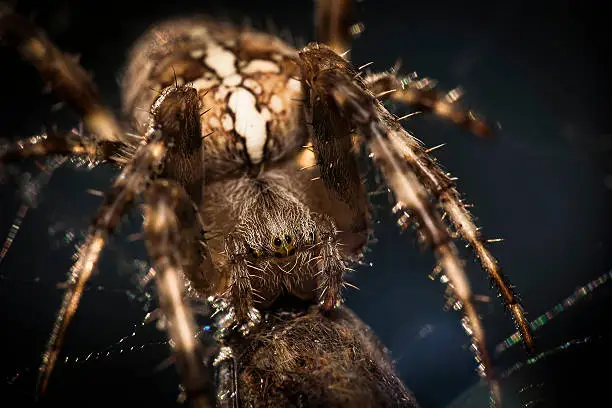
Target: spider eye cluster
283, 245
281, 241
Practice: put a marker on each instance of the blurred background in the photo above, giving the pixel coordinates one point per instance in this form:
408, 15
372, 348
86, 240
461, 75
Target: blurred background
544, 184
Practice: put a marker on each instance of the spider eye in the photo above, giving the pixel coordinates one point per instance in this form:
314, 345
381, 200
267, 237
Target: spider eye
277, 242
288, 239
310, 239
255, 253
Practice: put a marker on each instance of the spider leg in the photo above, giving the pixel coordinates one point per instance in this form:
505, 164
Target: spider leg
165, 201
41, 180
63, 144
333, 146
423, 95
225, 362
332, 23
131, 182
333, 82
439, 184
61, 72
175, 118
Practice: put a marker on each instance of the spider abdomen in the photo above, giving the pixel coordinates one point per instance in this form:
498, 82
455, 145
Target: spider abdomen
247, 83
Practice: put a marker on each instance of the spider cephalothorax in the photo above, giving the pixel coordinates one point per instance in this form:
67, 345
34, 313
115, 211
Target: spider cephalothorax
282, 244
244, 150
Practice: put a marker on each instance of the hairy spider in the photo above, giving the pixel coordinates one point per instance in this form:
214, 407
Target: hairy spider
244, 150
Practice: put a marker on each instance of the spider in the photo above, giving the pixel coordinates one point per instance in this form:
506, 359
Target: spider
245, 153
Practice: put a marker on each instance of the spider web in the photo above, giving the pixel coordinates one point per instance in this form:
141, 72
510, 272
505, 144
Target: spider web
52, 219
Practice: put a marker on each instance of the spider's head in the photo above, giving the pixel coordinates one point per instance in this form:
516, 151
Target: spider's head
274, 225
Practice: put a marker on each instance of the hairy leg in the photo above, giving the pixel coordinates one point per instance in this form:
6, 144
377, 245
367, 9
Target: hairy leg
442, 188
130, 182
165, 200
61, 72
422, 94
334, 149
439, 184
63, 144
144, 165
117, 201
335, 87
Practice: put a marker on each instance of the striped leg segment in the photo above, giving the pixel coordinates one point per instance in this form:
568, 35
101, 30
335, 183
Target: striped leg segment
439, 184
331, 81
131, 182
62, 144
422, 94
165, 238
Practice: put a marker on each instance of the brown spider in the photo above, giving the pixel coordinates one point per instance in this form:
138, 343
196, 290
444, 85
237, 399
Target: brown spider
257, 203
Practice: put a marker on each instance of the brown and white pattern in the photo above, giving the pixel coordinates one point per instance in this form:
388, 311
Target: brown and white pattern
247, 82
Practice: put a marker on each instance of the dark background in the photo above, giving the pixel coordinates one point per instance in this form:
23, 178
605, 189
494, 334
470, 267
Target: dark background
544, 184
